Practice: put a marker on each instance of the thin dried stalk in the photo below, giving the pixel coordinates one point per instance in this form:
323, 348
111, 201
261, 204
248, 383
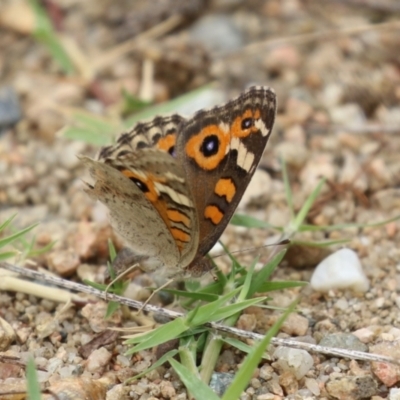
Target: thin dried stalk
335, 352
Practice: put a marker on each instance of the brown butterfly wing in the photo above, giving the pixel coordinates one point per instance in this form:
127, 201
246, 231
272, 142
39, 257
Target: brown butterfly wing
219, 150
159, 133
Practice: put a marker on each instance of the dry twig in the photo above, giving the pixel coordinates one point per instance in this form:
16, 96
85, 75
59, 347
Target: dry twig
356, 355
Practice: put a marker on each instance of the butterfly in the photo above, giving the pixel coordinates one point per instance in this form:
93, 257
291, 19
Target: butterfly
172, 184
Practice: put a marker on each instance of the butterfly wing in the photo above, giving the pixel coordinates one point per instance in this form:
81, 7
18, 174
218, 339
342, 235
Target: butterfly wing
150, 205
159, 133
219, 150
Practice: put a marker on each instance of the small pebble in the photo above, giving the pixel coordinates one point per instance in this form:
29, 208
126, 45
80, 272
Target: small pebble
218, 33
299, 362
350, 115
98, 359
220, 381
343, 341
340, 270
295, 325
365, 335
294, 154
342, 304
64, 262
266, 372
394, 394
10, 110
313, 386
7, 335
118, 392
167, 389
289, 382
352, 387
388, 374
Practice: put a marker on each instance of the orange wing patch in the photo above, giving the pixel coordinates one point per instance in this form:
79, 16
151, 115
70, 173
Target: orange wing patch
225, 187
239, 131
208, 158
214, 214
166, 143
168, 215
177, 216
180, 235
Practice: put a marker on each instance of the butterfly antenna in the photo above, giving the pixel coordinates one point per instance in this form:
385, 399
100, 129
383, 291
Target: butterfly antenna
282, 242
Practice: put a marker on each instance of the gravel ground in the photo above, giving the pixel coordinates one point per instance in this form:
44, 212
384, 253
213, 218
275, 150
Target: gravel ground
335, 69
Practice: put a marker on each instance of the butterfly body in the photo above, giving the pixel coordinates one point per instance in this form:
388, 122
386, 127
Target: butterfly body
172, 184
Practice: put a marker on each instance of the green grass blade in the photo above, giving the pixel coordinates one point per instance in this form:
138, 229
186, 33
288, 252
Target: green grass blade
329, 228
98, 286
245, 292
288, 190
7, 222
91, 128
7, 254
17, 235
112, 306
227, 311
214, 288
246, 370
155, 365
132, 103
236, 267
267, 287
33, 386
84, 135
165, 108
241, 346
204, 313
42, 250
222, 279
325, 243
265, 272
96, 123
111, 250
301, 216
45, 34
160, 335
251, 222
193, 384
201, 296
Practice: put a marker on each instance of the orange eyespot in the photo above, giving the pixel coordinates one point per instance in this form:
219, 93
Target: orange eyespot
208, 147
243, 125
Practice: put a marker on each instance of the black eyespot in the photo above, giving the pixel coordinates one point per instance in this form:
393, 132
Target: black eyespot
247, 123
171, 151
210, 146
142, 186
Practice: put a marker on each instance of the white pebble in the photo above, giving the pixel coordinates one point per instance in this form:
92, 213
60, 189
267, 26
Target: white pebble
340, 270
216, 250
98, 359
349, 115
299, 362
342, 304
394, 394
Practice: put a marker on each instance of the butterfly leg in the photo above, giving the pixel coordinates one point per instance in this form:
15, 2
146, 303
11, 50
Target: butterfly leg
123, 262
